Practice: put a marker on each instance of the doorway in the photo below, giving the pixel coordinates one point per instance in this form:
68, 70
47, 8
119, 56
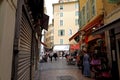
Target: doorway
118, 51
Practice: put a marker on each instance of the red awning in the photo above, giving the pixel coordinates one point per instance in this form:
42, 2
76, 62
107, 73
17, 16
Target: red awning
93, 37
97, 21
74, 46
43, 44
75, 35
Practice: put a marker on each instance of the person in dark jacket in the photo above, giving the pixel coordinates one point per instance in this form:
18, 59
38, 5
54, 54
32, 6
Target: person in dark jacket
55, 56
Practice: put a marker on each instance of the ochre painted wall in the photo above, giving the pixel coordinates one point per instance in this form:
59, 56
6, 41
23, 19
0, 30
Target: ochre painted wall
68, 21
98, 9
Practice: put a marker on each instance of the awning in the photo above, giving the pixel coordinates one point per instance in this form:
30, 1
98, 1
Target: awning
108, 26
74, 36
97, 21
43, 44
45, 21
74, 46
64, 47
93, 37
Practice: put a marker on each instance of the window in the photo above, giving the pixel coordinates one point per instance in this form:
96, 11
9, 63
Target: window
76, 6
61, 14
93, 1
61, 22
61, 7
69, 32
61, 32
80, 19
83, 15
93, 10
87, 11
76, 13
93, 7
61, 41
77, 38
76, 21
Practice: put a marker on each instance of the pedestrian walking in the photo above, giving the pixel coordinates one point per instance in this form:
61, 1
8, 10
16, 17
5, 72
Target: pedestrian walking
86, 64
51, 55
55, 56
81, 61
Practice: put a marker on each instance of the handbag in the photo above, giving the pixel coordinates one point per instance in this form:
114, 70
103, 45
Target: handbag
95, 62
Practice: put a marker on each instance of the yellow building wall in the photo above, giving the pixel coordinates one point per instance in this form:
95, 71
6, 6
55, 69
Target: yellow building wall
68, 21
82, 3
7, 26
98, 9
112, 12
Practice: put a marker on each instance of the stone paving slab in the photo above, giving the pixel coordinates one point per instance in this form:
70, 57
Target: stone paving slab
59, 70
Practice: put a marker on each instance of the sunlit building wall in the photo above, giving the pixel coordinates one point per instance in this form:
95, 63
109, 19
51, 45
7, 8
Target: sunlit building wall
66, 16
49, 36
89, 10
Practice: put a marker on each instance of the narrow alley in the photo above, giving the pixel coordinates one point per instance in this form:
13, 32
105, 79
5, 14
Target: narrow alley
86, 32
59, 70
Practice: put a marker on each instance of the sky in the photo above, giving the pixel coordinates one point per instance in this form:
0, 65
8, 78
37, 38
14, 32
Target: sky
48, 5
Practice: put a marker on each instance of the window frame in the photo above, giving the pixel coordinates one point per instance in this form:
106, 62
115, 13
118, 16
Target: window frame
61, 41
61, 14
61, 32
61, 7
61, 22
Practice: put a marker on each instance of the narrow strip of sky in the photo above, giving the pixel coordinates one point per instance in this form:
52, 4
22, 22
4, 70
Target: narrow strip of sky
49, 7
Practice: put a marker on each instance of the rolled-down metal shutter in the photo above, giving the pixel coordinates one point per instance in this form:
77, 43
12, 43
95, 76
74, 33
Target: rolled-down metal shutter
24, 55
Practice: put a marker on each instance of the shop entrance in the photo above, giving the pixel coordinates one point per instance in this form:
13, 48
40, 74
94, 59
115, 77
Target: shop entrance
118, 51
114, 55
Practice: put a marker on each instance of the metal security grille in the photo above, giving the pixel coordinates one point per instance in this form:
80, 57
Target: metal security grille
24, 55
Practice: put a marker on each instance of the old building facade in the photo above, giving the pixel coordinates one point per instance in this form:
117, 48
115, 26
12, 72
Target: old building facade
66, 17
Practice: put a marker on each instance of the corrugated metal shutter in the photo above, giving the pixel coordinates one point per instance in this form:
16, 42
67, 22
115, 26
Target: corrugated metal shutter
24, 55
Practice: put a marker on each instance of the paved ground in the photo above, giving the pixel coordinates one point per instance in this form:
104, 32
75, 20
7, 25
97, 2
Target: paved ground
59, 70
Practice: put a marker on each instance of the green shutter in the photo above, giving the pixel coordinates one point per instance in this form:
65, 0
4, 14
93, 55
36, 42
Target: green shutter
113, 1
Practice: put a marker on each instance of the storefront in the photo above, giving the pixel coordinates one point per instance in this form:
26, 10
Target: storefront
88, 38
75, 42
27, 38
112, 36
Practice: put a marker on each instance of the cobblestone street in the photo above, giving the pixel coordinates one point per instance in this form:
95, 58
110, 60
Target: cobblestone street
59, 70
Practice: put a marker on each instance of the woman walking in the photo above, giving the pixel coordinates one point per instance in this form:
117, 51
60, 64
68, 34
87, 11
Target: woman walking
86, 64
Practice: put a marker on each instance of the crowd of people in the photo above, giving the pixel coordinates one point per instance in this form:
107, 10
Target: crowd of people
87, 62
49, 56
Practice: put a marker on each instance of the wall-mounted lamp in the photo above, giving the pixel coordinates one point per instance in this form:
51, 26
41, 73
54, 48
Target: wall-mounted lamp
93, 28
